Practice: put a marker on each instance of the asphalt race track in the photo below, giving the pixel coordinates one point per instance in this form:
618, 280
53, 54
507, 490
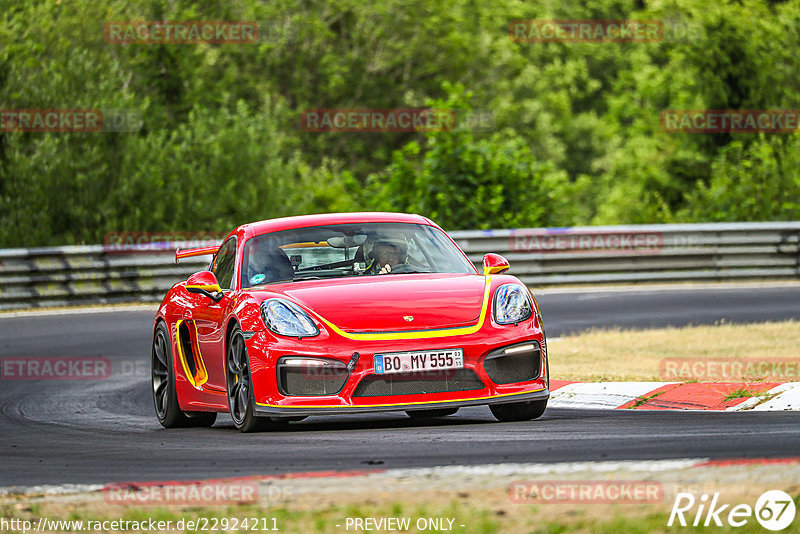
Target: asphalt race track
57, 432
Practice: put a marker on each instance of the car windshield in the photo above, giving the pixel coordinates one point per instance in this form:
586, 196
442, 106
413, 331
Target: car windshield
343, 250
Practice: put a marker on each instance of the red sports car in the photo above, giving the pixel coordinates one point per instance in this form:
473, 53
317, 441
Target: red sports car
345, 313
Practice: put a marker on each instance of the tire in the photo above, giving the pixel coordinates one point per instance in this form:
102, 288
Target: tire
238, 380
165, 396
429, 414
518, 411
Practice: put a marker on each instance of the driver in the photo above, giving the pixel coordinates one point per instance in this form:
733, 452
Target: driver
386, 252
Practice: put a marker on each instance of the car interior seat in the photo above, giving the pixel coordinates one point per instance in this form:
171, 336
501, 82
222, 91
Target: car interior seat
275, 265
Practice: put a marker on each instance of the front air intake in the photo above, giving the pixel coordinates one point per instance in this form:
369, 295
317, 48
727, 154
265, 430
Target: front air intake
299, 376
517, 363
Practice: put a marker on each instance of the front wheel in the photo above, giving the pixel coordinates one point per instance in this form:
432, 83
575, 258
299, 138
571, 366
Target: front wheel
518, 411
239, 386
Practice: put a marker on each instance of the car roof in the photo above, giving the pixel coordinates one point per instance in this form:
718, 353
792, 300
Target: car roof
304, 221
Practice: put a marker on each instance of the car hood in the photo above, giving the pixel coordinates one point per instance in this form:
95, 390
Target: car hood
385, 303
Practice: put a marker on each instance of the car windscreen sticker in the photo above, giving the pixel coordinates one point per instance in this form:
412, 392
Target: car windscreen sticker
257, 279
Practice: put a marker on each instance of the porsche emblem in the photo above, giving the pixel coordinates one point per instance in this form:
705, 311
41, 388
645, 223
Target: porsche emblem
408, 318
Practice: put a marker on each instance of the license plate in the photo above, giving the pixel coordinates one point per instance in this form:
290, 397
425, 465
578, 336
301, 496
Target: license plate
424, 360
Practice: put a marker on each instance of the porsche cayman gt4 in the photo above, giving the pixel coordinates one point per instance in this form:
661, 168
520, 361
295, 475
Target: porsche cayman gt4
345, 313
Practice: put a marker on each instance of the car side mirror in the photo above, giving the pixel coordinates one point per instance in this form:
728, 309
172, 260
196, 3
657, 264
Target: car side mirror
494, 264
205, 283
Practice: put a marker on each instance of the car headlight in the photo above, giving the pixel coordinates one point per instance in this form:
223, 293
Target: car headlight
511, 304
287, 319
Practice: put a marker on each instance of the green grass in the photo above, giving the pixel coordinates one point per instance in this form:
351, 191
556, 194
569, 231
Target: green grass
476, 517
629, 355
744, 393
645, 398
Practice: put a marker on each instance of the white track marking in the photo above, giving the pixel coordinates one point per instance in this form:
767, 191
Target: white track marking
493, 470
649, 466
604, 395
787, 397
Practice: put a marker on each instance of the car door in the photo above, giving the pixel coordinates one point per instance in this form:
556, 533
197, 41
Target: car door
209, 318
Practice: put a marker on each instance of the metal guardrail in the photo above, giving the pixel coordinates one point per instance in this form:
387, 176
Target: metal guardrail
643, 253
59, 276
539, 257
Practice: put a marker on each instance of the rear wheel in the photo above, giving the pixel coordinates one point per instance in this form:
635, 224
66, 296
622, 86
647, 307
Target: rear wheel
518, 411
239, 385
428, 414
165, 396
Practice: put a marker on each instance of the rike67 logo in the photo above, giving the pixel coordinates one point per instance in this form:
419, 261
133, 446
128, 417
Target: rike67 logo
774, 510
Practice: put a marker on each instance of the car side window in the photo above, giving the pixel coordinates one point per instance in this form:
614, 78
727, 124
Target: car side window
224, 264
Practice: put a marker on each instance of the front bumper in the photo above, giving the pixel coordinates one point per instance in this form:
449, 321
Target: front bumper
284, 411
266, 349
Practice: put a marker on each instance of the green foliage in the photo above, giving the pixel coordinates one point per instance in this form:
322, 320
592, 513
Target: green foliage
464, 182
577, 137
759, 182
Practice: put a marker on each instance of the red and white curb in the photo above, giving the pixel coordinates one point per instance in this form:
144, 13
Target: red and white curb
734, 396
